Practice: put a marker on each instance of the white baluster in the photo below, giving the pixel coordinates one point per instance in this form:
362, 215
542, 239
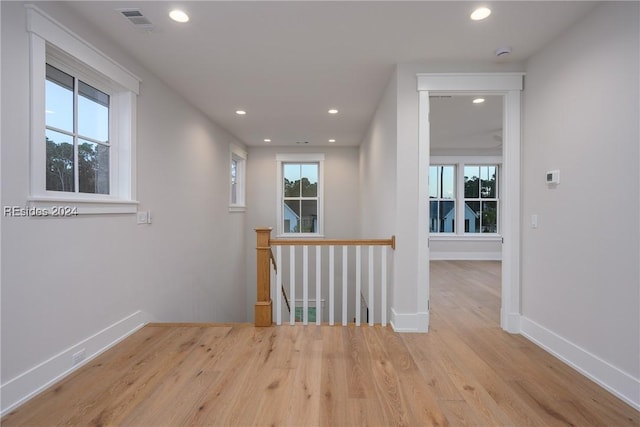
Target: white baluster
318, 283
292, 284
383, 290
344, 285
358, 283
305, 285
331, 286
279, 285
371, 302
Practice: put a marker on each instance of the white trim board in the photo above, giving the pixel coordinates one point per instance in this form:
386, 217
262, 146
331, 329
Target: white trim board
509, 85
617, 382
409, 322
30, 383
464, 256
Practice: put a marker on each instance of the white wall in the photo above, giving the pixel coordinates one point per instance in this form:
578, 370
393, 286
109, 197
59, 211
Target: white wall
66, 279
378, 168
378, 183
341, 207
580, 278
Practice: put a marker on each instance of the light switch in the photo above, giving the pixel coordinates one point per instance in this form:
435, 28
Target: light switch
142, 217
534, 221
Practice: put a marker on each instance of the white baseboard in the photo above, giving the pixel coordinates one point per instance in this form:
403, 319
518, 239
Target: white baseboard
409, 322
465, 256
28, 384
608, 376
510, 322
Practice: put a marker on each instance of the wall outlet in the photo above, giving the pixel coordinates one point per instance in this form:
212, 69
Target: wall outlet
78, 357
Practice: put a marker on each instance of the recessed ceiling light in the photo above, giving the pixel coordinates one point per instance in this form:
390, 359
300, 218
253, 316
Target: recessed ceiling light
179, 16
332, 140
333, 111
480, 13
478, 100
241, 112
267, 140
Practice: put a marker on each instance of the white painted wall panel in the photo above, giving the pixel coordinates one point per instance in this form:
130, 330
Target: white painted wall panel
580, 276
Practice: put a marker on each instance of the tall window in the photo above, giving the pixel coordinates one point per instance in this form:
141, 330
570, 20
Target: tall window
481, 198
300, 197
237, 179
442, 199
77, 135
300, 193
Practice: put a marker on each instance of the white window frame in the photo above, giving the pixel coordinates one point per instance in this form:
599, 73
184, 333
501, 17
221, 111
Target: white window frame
299, 158
460, 162
480, 200
51, 42
440, 199
238, 155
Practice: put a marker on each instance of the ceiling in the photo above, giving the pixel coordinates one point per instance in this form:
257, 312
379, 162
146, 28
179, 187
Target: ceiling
458, 126
287, 63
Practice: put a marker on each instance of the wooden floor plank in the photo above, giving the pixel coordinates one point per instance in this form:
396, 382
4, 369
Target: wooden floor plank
465, 372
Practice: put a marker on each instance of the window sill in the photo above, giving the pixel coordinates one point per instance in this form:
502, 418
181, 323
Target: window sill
237, 208
465, 238
300, 236
56, 206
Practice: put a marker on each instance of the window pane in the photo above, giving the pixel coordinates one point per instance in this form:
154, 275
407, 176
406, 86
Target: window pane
433, 217
488, 175
93, 167
234, 171
472, 217
59, 99
447, 217
472, 181
447, 185
489, 217
291, 180
309, 180
309, 220
93, 113
291, 216
59, 161
433, 182
442, 216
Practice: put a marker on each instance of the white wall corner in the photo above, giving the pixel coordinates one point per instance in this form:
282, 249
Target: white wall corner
616, 381
28, 384
409, 322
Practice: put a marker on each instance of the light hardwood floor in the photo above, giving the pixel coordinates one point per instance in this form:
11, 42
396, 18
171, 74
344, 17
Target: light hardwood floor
466, 371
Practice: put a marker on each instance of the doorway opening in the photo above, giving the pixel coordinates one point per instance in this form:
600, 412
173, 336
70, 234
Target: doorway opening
508, 87
465, 183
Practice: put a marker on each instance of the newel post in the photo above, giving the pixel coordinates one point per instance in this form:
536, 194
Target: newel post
263, 315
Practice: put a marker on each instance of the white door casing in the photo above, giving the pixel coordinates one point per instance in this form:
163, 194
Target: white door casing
509, 85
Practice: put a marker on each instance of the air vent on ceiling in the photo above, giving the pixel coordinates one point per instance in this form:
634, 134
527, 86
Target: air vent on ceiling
136, 18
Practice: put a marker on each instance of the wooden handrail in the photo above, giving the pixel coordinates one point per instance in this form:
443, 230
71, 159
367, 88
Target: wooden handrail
334, 242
